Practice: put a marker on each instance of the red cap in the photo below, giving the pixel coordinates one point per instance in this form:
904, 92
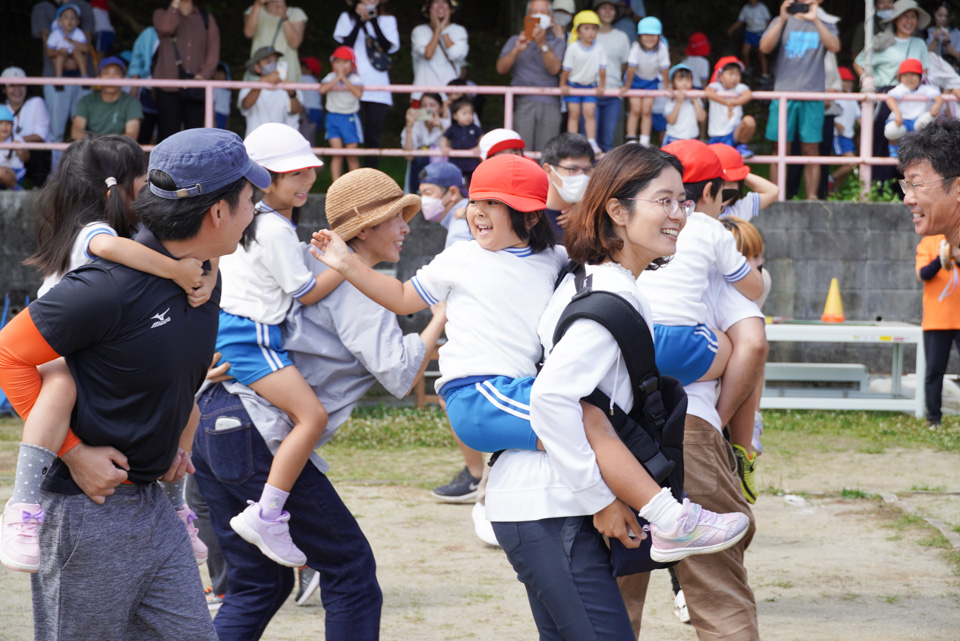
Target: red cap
513, 180
732, 162
343, 53
313, 64
698, 45
911, 65
846, 74
699, 161
723, 62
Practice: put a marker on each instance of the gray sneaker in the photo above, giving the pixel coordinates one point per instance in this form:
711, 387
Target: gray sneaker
308, 580
462, 489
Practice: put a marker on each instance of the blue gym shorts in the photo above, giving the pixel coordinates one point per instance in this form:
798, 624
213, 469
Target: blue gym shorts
843, 145
491, 414
752, 38
684, 352
251, 348
579, 99
727, 140
643, 83
346, 127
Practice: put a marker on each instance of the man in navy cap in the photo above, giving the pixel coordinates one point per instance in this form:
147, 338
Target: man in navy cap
117, 563
444, 200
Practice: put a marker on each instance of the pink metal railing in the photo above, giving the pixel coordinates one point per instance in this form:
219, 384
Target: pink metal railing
865, 160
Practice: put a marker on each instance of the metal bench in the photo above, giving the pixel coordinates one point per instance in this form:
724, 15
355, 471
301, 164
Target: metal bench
817, 373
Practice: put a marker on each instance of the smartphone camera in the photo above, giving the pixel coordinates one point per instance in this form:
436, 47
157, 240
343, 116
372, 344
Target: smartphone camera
798, 7
371, 11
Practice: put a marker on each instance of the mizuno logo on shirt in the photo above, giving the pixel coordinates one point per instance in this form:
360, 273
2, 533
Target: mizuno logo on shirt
161, 319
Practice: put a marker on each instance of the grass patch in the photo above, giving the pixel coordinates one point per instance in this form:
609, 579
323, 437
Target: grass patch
854, 494
381, 426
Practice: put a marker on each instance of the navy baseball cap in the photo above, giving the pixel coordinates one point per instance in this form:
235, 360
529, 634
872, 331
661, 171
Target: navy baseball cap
443, 174
201, 161
112, 60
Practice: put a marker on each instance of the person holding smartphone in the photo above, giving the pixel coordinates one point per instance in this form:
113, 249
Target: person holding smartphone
372, 33
271, 23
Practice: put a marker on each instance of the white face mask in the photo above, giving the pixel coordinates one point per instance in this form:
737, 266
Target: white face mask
562, 18
432, 208
885, 14
571, 187
268, 68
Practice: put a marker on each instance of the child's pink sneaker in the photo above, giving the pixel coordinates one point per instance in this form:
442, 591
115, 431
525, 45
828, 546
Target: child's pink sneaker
20, 536
188, 516
698, 531
272, 537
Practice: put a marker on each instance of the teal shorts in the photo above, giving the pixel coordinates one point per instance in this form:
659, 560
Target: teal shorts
805, 116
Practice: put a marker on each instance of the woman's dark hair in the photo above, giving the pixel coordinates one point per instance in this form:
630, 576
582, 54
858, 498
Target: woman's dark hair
381, 9
540, 236
77, 195
695, 190
433, 96
589, 235
459, 104
180, 219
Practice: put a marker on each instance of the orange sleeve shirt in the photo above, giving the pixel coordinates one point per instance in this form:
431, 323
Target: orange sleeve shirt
937, 314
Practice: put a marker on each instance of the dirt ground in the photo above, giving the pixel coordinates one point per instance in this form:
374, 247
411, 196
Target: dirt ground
822, 568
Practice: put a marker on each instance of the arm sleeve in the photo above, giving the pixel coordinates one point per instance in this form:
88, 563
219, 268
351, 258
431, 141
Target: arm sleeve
419, 39
633, 56
387, 33
346, 30
730, 262
86, 235
664, 55
372, 335
931, 270
556, 415
38, 21
508, 46
212, 52
898, 92
166, 21
568, 59
434, 280
282, 258
461, 47
22, 349
741, 17
928, 249
83, 109
39, 119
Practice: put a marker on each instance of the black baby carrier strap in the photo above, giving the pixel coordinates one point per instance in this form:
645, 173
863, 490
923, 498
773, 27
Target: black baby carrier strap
653, 429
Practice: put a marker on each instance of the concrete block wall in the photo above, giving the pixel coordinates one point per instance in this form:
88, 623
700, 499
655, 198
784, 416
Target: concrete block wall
869, 247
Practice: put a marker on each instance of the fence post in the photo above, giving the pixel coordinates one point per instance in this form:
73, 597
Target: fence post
782, 148
866, 147
208, 107
508, 109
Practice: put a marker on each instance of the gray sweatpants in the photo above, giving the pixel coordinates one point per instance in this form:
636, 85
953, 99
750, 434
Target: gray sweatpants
121, 570
536, 122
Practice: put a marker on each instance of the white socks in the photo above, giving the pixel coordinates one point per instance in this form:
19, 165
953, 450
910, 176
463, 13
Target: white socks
663, 510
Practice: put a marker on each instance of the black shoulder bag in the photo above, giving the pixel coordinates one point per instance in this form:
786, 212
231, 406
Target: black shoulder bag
653, 429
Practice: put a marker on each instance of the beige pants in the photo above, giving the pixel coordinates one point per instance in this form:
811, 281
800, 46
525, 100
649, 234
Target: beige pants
719, 599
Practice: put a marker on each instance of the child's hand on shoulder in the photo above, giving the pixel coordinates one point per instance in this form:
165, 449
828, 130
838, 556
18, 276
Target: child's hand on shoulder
188, 274
330, 250
201, 295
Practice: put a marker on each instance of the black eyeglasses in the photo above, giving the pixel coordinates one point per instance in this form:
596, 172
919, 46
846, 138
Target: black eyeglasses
671, 205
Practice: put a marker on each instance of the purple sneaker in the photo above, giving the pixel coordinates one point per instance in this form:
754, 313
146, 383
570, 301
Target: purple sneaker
200, 551
698, 531
272, 537
20, 536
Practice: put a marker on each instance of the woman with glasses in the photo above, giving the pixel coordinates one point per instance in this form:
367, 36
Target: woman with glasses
551, 506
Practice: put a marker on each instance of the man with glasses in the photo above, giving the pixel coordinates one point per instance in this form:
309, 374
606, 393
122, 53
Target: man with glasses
930, 163
568, 161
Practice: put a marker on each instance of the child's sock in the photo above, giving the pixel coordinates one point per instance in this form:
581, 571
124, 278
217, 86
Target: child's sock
645, 141
632, 139
174, 492
663, 510
33, 461
271, 502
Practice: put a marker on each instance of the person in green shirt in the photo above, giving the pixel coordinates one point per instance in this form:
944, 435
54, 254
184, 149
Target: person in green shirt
109, 110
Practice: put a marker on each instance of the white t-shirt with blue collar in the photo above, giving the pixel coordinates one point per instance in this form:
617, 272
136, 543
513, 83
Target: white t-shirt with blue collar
494, 303
261, 281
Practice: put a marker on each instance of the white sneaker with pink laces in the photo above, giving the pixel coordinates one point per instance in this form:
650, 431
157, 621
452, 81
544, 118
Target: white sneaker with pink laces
697, 531
20, 536
272, 537
188, 516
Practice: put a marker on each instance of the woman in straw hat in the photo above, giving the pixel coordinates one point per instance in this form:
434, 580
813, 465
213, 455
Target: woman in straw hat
342, 345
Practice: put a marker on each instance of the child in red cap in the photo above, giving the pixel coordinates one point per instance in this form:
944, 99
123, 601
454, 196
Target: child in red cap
727, 95
496, 287
910, 115
343, 88
686, 348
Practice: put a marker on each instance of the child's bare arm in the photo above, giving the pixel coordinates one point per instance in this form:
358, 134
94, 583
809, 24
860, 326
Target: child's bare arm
767, 190
937, 106
733, 28
894, 109
699, 110
399, 298
327, 86
323, 286
677, 104
751, 285
631, 72
711, 94
201, 295
742, 99
356, 90
186, 273
665, 73
564, 87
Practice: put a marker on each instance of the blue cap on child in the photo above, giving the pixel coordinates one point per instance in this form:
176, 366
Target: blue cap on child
5, 114
443, 174
650, 26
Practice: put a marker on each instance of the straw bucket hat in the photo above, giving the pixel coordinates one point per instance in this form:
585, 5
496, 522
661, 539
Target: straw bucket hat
366, 197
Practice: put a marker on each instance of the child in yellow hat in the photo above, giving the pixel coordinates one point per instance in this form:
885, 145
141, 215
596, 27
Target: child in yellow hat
584, 67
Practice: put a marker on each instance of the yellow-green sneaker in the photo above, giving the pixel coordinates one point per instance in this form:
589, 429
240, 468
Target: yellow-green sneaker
746, 465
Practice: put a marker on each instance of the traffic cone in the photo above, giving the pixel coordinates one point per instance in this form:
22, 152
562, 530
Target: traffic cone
833, 310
